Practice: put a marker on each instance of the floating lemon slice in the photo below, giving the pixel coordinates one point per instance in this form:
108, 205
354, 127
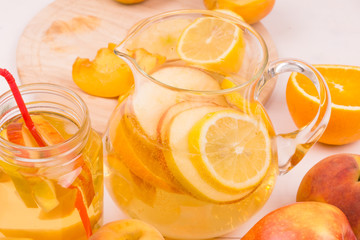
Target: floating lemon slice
213, 43
217, 153
231, 150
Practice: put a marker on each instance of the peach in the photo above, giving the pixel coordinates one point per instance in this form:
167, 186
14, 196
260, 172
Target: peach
129, 229
335, 180
303, 220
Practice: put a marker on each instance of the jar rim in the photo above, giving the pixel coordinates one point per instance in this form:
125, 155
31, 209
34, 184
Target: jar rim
77, 140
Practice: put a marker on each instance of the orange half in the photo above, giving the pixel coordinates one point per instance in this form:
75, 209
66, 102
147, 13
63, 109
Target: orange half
343, 82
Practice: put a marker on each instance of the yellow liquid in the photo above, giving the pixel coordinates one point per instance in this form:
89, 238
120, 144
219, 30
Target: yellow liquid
176, 214
22, 216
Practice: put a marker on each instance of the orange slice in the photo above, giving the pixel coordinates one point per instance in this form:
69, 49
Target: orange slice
147, 162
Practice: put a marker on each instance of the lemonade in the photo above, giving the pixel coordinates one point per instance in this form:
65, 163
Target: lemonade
52, 191
147, 174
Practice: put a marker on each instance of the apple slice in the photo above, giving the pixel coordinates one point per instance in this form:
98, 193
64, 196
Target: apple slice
51, 136
41, 191
15, 133
171, 112
48, 132
18, 133
83, 182
151, 100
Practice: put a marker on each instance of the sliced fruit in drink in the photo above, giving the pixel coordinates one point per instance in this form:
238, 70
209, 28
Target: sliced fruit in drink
33, 191
213, 43
3, 176
245, 104
16, 133
235, 98
44, 194
172, 111
66, 198
180, 159
125, 146
23, 188
51, 137
151, 100
47, 131
230, 149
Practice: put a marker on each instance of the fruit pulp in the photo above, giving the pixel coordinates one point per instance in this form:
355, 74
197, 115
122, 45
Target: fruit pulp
38, 200
137, 171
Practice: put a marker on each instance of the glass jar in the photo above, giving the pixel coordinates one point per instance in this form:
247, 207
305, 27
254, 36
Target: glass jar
56, 191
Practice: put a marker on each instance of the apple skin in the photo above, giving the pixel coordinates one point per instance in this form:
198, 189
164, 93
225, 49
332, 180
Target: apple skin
335, 180
302, 220
129, 229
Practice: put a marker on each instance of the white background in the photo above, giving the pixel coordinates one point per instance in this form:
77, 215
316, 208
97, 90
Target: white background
316, 31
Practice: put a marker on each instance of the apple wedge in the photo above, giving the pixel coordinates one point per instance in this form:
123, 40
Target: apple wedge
172, 111
17, 133
47, 131
151, 100
51, 136
33, 191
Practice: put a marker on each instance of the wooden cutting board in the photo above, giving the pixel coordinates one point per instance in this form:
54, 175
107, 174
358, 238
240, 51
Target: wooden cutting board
67, 29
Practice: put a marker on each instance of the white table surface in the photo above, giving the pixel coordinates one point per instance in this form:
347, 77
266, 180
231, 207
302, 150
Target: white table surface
316, 31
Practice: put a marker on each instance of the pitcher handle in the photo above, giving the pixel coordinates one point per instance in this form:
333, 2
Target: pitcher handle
293, 146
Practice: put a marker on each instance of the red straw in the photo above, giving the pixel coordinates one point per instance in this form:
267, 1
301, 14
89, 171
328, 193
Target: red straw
79, 205
20, 102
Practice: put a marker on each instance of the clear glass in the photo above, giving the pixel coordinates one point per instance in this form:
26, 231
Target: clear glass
52, 192
157, 169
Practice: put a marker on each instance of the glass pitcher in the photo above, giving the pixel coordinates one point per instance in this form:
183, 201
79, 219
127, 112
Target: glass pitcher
190, 149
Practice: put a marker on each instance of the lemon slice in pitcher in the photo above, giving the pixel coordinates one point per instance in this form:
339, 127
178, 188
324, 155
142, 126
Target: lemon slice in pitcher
230, 149
217, 153
213, 43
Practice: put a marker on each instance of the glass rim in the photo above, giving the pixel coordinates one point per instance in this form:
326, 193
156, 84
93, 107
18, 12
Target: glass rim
73, 142
147, 21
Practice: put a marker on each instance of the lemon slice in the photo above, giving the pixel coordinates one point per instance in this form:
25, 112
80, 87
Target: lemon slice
213, 43
230, 149
180, 158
